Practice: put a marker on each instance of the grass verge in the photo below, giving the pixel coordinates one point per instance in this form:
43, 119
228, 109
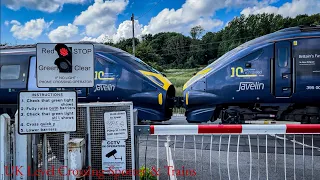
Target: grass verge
178, 77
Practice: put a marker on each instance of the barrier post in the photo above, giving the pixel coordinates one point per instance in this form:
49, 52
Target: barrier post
45, 155
136, 142
88, 136
35, 142
21, 153
66, 157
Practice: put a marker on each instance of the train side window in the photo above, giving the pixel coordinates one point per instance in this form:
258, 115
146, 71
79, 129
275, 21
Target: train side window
252, 56
283, 57
10, 72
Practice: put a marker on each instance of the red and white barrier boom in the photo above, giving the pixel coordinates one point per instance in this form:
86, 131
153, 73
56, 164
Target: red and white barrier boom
234, 129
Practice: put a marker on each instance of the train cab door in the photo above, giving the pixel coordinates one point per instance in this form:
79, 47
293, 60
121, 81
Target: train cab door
282, 70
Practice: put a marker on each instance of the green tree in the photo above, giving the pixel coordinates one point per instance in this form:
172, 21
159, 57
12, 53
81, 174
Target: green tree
146, 53
196, 32
147, 38
126, 44
211, 42
175, 50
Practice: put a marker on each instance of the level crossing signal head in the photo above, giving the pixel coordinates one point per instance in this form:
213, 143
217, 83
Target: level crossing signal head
64, 62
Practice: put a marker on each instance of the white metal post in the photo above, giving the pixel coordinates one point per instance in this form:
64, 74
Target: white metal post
4, 144
45, 155
136, 143
66, 159
21, 153
89, 138
35, 142
76, 154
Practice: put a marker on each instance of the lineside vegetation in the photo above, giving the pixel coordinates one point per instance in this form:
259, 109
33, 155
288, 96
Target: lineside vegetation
167, 50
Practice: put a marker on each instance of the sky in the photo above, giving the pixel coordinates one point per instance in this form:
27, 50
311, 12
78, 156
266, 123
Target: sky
34, 21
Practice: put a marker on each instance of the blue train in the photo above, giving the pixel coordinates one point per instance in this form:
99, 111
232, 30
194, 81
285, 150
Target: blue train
276, 76
119, 76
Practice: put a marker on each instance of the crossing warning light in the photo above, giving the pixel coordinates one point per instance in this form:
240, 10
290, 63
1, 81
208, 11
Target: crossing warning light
64, 62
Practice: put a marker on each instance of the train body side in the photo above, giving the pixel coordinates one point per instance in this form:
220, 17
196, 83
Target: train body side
115, 80
273, 74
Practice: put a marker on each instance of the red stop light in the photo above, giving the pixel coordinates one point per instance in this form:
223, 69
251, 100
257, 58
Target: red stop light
64, 52
64, 62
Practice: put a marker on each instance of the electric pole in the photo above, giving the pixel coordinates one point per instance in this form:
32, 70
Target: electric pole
133, 43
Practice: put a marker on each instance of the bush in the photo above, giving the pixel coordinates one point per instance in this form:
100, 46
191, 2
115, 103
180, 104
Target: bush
145, 173
155, 66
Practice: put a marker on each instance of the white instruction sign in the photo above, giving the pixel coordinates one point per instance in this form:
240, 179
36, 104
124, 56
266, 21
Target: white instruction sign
115, 125
113, 156
47, 111
48, 74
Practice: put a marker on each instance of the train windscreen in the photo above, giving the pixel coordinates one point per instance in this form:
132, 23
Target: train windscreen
225, 58
221, 61
136, 62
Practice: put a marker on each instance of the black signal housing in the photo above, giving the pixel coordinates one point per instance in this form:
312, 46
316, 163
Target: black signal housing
64, 62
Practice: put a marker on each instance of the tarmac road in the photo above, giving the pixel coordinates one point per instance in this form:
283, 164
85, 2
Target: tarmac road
192, 153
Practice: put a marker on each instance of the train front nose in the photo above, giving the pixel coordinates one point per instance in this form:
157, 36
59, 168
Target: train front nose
163, 96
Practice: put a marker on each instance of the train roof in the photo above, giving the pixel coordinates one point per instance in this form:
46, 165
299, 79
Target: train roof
31, 48
287, 33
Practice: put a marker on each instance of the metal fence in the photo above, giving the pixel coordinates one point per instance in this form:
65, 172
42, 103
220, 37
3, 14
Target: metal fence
13, 150
230, 151
47, 155
91, 127
179, 111
285, 151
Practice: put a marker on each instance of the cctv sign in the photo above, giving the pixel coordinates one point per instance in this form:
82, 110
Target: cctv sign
65, 65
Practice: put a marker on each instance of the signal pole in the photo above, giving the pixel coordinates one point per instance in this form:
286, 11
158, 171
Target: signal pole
133, 43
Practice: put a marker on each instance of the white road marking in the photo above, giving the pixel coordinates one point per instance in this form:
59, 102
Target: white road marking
296, 142
169, 159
